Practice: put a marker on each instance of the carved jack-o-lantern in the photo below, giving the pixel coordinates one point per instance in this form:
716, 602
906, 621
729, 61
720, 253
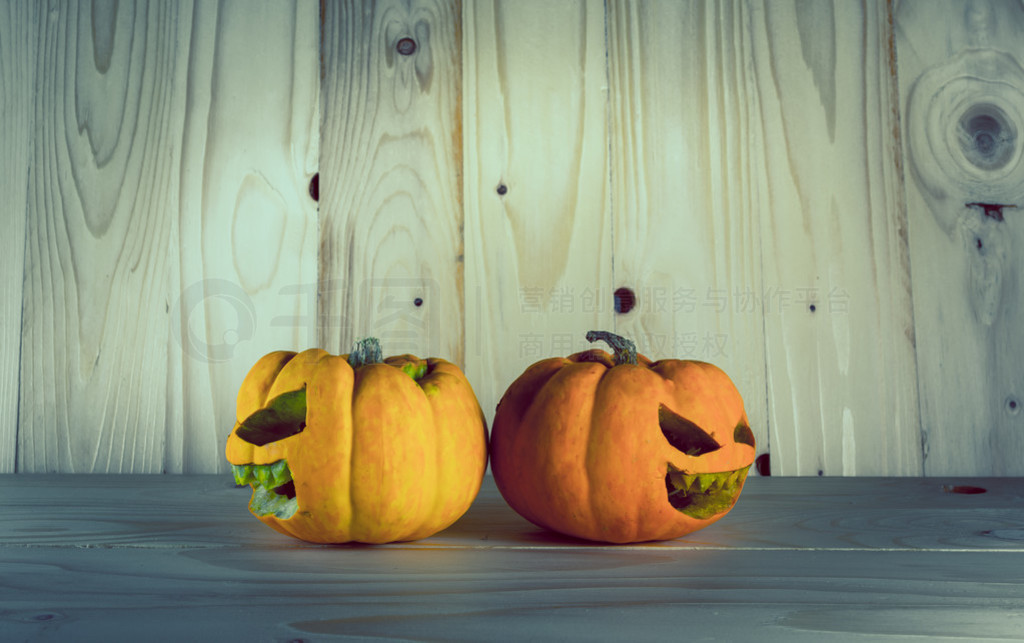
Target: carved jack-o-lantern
621, 449
352, 448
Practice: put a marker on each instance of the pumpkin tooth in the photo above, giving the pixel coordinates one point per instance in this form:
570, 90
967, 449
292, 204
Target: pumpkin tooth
264, 475
725, 479
688, 480
705, 480
734, 478
675, 476
741, 474
280, 473
242, 474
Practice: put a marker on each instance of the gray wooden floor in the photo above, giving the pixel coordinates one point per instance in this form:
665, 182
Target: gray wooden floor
799, 559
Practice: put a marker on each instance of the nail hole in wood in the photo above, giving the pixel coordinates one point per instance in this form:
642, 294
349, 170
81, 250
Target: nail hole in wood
812, 308
417, 302
1005, 534
625, 300
763, 464
1012, 406
964, 489
406, 46
502, 189
314, 187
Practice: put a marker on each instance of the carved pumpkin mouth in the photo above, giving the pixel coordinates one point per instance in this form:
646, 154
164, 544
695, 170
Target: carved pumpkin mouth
700, 495
703, 495
272, 485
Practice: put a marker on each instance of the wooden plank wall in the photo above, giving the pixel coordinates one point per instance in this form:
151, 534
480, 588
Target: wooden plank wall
782, 185
167, 222
17, 73
963, 112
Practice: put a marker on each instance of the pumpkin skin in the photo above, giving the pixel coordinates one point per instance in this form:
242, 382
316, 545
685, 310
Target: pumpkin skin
583, 446
390, 451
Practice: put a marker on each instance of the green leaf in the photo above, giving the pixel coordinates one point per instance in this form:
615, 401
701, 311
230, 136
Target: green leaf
284, 416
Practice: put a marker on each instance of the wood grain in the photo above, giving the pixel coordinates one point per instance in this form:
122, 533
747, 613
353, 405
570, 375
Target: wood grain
684, 135
101, 214
960, 64
838, 323
18, 28
730, 123
391, 194
132, 556
127, 511
246, 266
538, 239
164, 212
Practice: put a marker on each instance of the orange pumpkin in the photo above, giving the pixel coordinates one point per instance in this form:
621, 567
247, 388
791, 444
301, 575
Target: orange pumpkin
352, 448
621, 449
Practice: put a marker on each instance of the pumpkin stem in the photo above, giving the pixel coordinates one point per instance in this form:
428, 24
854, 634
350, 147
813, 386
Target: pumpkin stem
624, 349
366, 351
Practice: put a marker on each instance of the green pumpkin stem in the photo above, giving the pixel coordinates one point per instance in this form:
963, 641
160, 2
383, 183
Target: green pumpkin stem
366, 351
623, 349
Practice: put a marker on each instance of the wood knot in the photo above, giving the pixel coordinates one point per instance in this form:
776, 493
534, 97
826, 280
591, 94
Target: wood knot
987, 136
406, 46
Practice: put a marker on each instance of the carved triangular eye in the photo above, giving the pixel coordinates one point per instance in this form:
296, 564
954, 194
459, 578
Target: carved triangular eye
282, 417
684, 434
743, 435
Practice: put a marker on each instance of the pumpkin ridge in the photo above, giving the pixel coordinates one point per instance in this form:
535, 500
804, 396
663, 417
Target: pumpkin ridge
437, 501
617, 403
265, 393
572, 387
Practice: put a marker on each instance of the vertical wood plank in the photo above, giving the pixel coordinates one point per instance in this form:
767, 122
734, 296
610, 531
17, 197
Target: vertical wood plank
19, 26
245, 280
391, 240
538, 239
837, 308
171, 237
961, 72
101, 211
685, 133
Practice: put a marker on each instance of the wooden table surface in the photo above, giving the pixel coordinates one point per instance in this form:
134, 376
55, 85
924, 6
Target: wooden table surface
799, 559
